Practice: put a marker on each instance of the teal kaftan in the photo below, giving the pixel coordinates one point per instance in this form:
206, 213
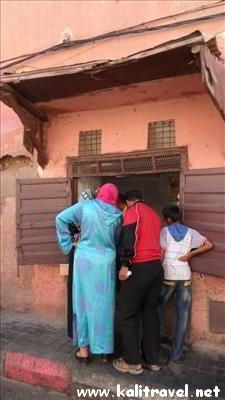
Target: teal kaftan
94, 271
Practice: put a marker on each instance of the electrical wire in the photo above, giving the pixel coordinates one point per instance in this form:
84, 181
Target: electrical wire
201, 8
105, 36
124, 32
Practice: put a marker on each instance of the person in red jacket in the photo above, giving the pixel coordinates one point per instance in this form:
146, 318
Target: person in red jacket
141, 276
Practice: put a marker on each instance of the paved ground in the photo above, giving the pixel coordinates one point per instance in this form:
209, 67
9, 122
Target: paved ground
25, 333
11, 390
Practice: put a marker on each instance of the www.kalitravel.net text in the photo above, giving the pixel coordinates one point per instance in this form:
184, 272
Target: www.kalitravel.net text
140, 391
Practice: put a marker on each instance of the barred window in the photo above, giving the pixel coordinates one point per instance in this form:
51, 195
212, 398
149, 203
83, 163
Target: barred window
161, 134
90, 143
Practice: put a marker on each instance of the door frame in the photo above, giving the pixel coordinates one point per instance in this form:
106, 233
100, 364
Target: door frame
178, 154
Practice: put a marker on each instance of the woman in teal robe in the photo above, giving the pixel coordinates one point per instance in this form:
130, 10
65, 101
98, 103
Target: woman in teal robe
94, 269
88, 194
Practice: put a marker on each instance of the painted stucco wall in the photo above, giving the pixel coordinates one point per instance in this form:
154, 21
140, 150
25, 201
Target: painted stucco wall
36, 289
31, 288
85, 19
125, 129
204, 289
11, 132
41, 289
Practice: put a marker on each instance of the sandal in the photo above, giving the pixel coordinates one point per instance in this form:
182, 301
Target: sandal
121, 366
82, 360
152, 367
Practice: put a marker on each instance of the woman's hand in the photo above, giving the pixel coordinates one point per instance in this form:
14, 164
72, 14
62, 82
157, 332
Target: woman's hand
123, 274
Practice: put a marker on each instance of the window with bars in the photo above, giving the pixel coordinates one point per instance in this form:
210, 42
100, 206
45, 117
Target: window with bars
161, 134
90, 143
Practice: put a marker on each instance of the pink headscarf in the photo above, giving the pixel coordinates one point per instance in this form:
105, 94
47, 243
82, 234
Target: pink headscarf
108, 193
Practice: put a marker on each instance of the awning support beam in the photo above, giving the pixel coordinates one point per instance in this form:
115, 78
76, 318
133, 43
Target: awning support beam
28, 105
33, 126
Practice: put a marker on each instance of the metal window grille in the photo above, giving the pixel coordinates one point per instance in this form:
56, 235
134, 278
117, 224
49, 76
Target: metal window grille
142, 162
161, 134
90, 143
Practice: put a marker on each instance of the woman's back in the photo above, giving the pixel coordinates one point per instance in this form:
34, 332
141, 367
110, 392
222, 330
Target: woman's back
99, 225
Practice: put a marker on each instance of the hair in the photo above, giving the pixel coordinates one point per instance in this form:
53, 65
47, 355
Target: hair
122, 199
133, 195
172, 212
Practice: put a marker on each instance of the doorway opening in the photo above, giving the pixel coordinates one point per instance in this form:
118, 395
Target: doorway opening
156, 173
158, 189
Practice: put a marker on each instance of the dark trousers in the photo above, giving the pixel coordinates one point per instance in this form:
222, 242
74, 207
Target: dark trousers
139, 297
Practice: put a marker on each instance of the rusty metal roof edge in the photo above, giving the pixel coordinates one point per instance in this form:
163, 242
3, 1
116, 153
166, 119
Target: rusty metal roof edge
194, 38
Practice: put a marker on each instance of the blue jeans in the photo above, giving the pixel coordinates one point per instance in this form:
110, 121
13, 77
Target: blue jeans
182, 295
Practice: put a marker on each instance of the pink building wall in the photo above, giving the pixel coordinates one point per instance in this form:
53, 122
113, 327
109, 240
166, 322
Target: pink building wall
31, 288
34, 289
89, 18
123, 119
126, 128
13, 128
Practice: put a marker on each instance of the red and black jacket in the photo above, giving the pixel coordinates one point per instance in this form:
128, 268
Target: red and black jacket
140, 235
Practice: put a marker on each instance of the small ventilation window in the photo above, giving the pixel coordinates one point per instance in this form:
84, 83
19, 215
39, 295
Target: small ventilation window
90, 143
161, 134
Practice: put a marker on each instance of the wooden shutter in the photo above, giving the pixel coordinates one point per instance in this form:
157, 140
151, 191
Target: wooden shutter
204, 209
38, 203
